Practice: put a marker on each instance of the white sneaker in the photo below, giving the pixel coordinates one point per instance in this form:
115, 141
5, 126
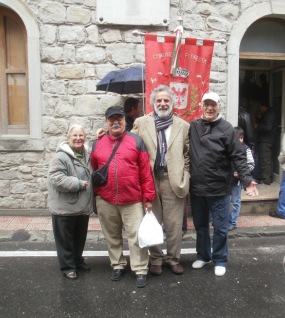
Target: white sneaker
220, 270
199, 264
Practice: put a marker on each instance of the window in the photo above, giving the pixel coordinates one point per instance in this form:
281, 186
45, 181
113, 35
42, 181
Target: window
13, 74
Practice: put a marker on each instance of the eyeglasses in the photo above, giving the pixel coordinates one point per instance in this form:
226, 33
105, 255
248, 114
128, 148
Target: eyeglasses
78, 136
116, 118
210, 104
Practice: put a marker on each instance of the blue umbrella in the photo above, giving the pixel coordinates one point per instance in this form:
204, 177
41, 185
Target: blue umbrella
126, 81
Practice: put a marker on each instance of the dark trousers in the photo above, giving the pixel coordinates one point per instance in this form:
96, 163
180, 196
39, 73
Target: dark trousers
218, 208
265, 158
70, 234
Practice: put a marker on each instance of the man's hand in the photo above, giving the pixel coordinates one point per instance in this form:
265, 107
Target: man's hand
100, 133
147, 207
251, 189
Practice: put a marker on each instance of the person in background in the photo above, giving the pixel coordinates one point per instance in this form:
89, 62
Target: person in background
129, 192
264, 88
132, 109
244, 121
236, 186
167, 143
213, 147
70, 200
266, 129
280, 210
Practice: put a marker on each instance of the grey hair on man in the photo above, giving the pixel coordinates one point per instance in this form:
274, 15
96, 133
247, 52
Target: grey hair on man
161, 88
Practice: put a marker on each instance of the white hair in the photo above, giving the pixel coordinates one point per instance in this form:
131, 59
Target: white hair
75, 126
162, 88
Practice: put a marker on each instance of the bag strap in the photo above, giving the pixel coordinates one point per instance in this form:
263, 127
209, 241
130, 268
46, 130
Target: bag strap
114, 151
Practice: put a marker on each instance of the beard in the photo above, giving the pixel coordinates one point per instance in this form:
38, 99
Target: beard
162, 113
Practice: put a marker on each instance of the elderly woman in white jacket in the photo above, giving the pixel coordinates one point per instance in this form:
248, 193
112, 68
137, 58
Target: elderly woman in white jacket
280, 210
70, 200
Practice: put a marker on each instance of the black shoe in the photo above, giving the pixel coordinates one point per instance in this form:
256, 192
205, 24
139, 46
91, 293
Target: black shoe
141, 281
117, 274
84, 267
275, 215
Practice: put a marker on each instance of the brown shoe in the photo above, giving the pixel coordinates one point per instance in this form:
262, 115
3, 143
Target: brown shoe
155, 270
177, 269
71, 275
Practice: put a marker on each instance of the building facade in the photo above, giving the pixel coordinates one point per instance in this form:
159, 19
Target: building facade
54, 52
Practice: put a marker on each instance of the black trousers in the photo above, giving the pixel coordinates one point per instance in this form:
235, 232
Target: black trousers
266, 163
70, 234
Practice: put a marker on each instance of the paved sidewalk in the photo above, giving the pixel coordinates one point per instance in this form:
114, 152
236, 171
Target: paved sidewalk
38, 223
33, 228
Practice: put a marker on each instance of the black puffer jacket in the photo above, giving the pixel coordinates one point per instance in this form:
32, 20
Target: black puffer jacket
213, 146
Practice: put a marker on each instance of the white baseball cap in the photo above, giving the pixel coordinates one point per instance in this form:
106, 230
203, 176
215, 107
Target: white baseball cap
212, 96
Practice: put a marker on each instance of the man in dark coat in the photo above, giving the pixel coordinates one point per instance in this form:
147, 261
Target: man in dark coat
213, 147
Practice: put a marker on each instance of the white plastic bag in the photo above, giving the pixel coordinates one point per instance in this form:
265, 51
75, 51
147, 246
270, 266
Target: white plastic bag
150, 231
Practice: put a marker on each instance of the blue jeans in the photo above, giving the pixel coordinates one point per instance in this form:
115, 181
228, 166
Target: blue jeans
281, 200
218, 207
235, 204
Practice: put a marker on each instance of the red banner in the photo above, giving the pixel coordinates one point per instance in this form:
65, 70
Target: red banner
191, 78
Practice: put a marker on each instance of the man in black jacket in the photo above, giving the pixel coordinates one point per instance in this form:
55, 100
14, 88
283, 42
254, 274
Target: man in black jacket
213, 147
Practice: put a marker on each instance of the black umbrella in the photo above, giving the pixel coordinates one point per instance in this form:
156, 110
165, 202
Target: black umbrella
126, 81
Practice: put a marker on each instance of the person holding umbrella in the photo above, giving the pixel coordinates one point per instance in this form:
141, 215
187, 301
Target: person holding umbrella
132, 110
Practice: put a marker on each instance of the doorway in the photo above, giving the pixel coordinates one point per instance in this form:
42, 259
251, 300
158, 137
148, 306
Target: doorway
252, 90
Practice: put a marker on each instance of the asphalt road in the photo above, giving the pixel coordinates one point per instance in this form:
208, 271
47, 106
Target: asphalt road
254, 286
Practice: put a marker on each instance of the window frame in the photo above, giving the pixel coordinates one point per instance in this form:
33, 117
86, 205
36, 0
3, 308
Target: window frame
33, 75
5, 127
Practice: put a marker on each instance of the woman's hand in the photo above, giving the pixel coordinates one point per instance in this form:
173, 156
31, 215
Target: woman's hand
84, 185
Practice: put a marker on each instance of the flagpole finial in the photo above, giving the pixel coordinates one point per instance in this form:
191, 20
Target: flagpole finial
136, 32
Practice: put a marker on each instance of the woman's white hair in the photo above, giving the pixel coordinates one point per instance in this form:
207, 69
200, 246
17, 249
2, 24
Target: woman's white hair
75, 126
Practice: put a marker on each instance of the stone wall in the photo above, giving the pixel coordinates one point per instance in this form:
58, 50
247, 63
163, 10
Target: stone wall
75, 54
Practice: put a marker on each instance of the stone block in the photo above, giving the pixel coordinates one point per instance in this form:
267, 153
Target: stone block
70, 71
4, 188
76, 14
51, 12
71, 34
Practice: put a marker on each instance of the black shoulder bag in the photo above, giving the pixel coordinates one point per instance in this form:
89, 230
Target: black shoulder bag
100, 176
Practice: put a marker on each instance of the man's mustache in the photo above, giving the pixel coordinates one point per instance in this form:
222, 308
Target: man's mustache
116, 126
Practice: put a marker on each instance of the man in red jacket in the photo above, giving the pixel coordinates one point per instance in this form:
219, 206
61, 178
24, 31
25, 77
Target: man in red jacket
129, 192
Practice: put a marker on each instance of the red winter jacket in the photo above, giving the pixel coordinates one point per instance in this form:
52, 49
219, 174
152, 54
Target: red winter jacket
129, 175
